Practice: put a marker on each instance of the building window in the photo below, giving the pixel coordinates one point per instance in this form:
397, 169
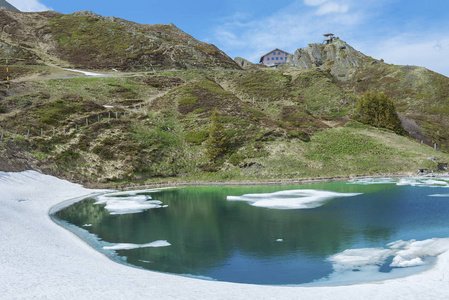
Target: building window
279, 53
282, 58
277, 58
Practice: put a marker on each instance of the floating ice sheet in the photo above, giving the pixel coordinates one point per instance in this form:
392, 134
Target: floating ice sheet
442, 182
400, 255
367, 181
122, 203
136, 192
291, 199
416, 181
126, 246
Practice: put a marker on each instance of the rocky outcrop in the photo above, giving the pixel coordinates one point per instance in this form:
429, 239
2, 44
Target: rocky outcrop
5, 5
243, 62
338, 57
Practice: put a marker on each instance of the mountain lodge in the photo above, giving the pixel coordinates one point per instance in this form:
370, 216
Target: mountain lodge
274, 58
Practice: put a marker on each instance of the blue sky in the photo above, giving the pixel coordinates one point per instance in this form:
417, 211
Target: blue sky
399, 31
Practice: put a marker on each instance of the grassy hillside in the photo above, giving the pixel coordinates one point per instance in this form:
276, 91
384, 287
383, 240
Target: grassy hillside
128, 129
86, 40
151, 121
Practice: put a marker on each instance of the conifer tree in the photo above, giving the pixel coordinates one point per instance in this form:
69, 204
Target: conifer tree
216, 143
378, 110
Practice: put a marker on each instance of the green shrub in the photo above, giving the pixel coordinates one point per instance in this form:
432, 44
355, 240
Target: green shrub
236, 158
378, 110
103, 152
187, 100
299, 134
42, 145
83, 143
49, 121
68, 156
197, 137
216, 143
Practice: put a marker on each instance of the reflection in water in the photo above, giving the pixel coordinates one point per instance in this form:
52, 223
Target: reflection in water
208, 236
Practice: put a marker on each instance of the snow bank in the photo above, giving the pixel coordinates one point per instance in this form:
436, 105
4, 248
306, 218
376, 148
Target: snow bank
292, 199
125, 246
90, 74
41, 260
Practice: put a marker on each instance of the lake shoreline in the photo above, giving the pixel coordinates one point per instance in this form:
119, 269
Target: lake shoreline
300, 198
280, 181
53, 263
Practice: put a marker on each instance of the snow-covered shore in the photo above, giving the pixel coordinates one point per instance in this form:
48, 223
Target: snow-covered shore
42, 260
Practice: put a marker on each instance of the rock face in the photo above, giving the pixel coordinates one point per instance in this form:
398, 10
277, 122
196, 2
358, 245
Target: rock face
243, 62
5, 5
339, 58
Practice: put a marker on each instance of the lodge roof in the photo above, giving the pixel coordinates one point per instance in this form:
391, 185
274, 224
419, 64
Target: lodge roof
277, 49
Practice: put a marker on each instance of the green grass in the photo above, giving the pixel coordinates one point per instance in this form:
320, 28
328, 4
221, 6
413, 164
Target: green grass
278, 140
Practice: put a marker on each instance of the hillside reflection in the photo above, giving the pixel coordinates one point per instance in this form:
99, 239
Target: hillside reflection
208, 234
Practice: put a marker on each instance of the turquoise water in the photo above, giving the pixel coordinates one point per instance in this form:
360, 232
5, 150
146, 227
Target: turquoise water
276, 235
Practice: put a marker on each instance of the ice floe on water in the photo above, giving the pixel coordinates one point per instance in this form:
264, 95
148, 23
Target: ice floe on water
128, 203
439, 195
414, 181
367, 181
397, 257
126, 246
441, 182
137, 192
290, 199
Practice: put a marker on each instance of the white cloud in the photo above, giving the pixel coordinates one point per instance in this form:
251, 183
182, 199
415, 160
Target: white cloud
29, 5
331, 7
431, 52
290, 28
314, 2
367, 26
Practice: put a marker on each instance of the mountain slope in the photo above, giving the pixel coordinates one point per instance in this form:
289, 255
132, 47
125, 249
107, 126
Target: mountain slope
420, 95
89, 41
152, 126
6, 5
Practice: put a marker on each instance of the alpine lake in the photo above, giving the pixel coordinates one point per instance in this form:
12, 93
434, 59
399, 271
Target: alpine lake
313, 234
